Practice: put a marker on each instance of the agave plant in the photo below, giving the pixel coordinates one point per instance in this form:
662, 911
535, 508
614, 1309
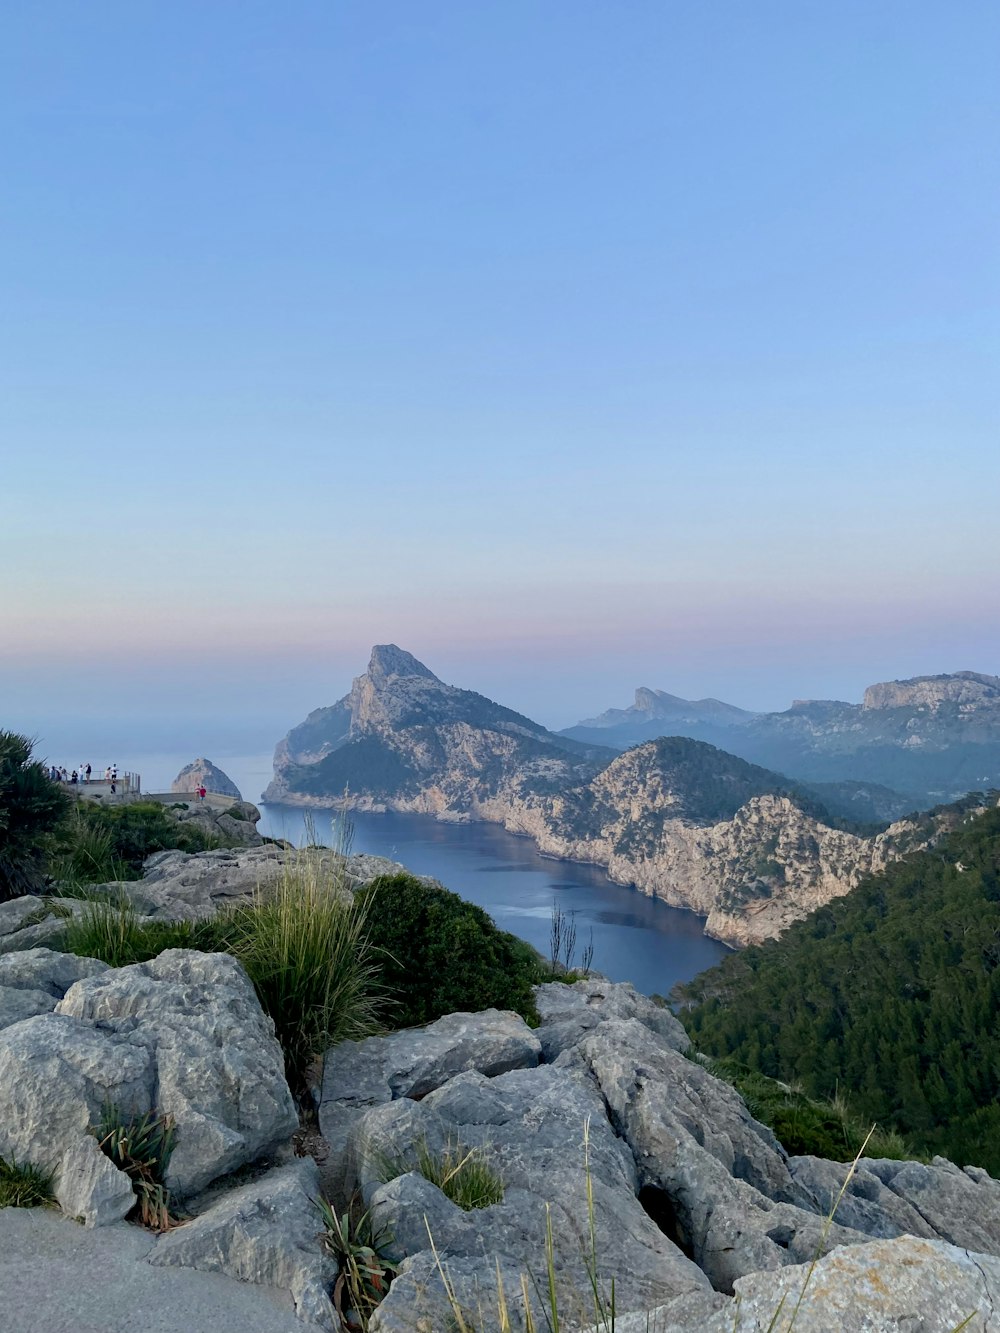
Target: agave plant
365, 1272
141, 1147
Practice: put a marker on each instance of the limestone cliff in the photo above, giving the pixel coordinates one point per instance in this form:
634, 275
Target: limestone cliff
677, 818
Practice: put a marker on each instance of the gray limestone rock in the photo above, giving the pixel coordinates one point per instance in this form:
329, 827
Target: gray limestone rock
219, 1070
717, 1177
530, 1124
357, 1075
189, 886
267, 1231
567, 1012
91, 1188
908, 1285
183, 1035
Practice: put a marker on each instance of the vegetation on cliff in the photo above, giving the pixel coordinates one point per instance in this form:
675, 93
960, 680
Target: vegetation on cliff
890, 995
31, 806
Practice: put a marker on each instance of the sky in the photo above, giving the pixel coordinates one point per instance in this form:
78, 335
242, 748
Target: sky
571, 346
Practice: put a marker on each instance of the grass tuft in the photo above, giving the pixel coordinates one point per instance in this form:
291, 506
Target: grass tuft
23, 1185
463, 1175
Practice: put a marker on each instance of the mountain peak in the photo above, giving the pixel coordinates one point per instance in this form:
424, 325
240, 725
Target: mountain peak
389, 660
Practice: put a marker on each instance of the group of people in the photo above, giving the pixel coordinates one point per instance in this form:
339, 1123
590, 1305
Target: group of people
83, 775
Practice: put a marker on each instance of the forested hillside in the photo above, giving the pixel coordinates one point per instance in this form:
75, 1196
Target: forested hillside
890, 996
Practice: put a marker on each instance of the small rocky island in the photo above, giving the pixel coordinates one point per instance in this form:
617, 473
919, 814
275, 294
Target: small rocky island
203, 773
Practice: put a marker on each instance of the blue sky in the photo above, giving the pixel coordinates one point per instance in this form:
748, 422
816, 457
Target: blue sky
572, 346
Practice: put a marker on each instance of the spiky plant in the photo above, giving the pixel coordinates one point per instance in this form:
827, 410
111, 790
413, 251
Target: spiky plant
141, 1147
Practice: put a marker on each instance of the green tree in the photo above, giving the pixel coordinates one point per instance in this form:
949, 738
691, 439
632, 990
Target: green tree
31, 806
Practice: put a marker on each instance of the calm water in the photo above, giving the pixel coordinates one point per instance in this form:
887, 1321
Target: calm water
636, 938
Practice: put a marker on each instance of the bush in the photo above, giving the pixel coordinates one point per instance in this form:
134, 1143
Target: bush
440, 954
31, 806
103, 842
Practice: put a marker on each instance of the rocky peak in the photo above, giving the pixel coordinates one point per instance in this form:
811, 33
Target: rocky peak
203, 773
961, 687
389, 660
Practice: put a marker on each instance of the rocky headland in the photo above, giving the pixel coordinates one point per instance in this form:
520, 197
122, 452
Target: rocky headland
678, 819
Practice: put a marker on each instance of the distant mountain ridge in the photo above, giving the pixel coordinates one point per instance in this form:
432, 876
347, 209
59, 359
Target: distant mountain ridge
929, 738
677, 818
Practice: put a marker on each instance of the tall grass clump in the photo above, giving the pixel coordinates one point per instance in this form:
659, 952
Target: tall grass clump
115, 934
305, 946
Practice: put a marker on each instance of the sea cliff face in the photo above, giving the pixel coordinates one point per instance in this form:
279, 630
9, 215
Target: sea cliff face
676, 818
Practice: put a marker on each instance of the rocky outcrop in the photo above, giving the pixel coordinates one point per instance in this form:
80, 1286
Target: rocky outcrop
182, 1035
899, 1286
203, 773
678, 1169
969, 690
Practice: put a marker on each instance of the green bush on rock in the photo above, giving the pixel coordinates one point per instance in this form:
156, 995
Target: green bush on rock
439, 954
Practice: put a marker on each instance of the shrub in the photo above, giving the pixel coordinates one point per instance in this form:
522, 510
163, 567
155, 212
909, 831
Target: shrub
440, 954
23, 1185
31, 806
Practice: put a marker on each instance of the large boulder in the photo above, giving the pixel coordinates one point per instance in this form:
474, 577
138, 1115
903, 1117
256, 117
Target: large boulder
203, 773
717, 1178
360, 1074
267, 1231
568, 1011
886, 1198
183, 885
183, 1035
909, 1285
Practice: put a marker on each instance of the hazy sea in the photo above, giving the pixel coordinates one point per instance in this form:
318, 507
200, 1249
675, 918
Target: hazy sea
636, 938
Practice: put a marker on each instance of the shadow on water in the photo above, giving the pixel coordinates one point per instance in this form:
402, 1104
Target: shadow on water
636, 938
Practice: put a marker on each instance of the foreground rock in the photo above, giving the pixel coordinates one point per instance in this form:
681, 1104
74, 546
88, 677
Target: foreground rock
203, 773
898, 1286
693, 1199
267, 1231
182, 1035
57, 1277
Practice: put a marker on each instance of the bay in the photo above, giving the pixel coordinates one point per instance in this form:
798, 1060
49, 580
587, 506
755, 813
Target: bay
635, 938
